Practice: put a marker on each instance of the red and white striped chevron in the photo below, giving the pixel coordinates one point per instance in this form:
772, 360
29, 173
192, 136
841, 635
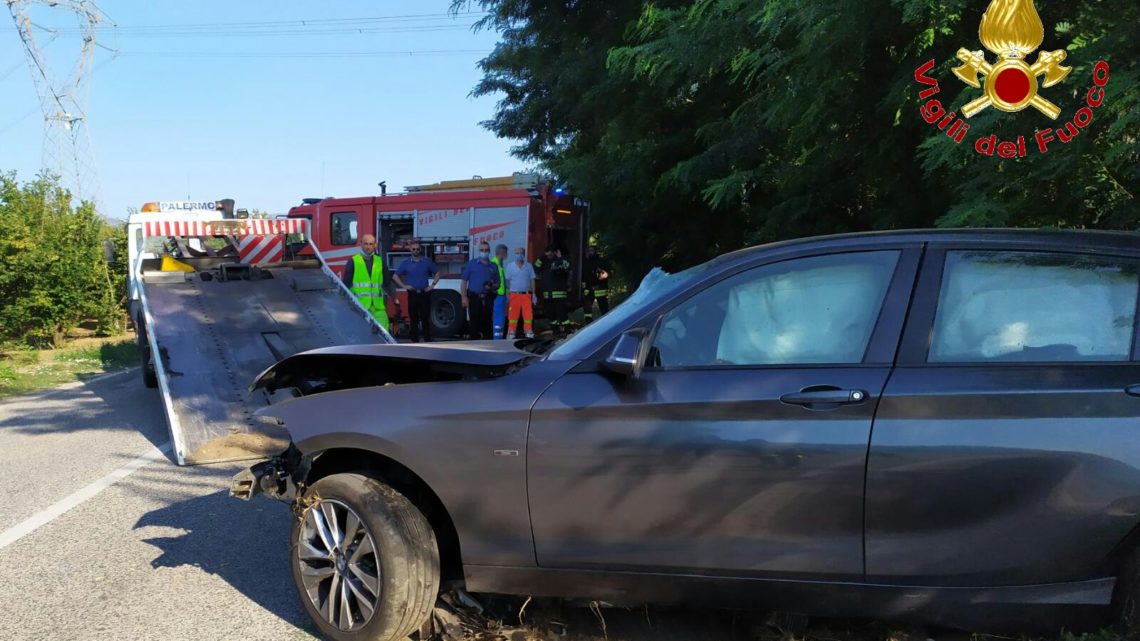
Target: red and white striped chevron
261, 250
219, 228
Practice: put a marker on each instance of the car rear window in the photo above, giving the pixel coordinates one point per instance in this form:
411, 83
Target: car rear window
1034, 307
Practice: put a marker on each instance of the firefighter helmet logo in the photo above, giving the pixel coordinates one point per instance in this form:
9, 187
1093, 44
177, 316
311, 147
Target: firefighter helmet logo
1011, 30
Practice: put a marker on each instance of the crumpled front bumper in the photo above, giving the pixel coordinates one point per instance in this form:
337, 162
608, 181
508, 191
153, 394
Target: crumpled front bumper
280, 477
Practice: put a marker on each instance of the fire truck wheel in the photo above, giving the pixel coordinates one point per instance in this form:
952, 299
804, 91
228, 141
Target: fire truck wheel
364, 560
446, 313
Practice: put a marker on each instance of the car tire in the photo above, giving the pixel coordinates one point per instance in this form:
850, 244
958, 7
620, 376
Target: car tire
149, 377
391, 560
447, 314
1126, 596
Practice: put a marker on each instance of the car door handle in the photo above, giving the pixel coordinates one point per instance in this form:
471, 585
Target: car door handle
830, 396
1132, 390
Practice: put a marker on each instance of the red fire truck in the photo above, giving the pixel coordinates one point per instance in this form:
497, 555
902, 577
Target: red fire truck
450, 219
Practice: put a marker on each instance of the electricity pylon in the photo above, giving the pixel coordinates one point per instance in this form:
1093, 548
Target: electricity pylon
63, 100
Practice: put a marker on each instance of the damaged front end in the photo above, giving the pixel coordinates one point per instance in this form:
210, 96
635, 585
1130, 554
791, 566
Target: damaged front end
347, 367
355, 366
281, 477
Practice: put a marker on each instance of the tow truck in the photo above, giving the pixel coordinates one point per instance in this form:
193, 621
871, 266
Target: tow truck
217, 297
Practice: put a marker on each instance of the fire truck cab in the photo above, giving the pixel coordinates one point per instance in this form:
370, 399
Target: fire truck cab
450, 219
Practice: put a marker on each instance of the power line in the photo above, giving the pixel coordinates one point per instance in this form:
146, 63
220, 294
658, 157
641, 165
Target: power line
11, 70
294, 32
305, 22
300, 54
22, 118
33, 110
17, 66
209, 27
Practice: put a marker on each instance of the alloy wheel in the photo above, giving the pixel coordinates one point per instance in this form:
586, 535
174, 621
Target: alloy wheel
339, 566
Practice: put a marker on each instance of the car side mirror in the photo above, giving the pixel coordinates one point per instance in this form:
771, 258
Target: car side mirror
109, 251
625, 357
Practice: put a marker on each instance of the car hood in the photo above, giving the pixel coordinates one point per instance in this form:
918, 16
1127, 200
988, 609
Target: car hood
348, 366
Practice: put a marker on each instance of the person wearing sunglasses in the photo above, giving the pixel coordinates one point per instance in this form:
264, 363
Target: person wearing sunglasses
419, 276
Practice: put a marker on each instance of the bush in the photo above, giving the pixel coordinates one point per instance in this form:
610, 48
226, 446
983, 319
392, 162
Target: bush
53, 275
115, 323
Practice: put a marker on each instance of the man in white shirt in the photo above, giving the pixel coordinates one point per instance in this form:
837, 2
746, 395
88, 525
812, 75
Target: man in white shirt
520, 286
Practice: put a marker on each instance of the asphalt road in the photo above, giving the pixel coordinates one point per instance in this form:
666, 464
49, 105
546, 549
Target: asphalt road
103, 537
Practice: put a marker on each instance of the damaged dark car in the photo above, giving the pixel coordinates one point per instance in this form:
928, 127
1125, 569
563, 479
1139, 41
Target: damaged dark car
938, 427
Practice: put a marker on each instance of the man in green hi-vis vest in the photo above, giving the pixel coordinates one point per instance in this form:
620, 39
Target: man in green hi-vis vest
364, 275
499, 314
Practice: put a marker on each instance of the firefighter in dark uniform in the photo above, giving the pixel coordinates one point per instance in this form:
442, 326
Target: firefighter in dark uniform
554, 270
595, 284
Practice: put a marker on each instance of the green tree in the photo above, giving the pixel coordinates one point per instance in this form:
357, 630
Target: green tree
114, 321
699, 127
1092, 182
609, 136
53, 275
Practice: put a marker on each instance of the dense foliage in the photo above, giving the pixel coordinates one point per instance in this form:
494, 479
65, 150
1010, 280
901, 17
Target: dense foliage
53, 275
697, 127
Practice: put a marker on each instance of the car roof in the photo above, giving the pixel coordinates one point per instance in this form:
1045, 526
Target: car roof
1128, 241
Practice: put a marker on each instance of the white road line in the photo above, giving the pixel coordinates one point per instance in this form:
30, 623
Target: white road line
103, 377
75, 499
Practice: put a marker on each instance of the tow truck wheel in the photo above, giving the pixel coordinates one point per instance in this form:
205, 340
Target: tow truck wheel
150, 378
364, 560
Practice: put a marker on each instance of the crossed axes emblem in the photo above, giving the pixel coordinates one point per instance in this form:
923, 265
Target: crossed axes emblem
1010, 84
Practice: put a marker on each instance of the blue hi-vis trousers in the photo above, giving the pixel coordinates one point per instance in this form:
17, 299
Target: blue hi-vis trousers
499, 317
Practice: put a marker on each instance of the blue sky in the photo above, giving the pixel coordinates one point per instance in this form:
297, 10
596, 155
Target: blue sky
230, 116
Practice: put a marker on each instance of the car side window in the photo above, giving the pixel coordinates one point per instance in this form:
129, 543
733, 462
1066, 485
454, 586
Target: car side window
816, 310
344, 228
997, 306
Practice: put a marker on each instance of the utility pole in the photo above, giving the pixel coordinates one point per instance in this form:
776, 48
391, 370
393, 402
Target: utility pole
63, 100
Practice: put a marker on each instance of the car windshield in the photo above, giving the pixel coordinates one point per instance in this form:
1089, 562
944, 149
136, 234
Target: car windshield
652, 286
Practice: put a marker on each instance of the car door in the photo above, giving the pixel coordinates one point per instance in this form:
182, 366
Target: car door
1006, 449
741, 447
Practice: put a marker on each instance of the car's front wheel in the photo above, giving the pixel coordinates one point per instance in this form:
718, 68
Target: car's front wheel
365, 560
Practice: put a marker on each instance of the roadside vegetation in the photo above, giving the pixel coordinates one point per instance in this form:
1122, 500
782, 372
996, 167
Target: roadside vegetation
53, 272
62, 304
545, 619
696, 127
26, 370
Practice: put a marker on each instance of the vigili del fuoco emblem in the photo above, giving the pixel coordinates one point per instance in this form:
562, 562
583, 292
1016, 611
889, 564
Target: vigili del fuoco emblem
1011, 30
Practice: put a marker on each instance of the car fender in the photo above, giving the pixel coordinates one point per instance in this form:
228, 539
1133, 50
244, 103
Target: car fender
465, 439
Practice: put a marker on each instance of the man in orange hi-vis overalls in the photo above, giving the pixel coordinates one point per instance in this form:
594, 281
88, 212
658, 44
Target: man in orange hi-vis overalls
520, 284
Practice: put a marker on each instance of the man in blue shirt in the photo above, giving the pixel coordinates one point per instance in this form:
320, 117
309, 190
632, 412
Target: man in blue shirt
419, 276
478, 287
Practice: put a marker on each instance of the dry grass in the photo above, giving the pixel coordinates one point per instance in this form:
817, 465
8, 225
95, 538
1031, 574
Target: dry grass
555, 620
